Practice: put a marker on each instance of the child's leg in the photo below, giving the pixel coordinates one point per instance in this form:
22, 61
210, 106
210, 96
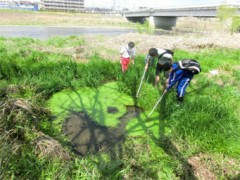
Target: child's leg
125, 63
181, 87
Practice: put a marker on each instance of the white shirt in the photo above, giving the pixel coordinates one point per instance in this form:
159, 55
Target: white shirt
127, 53
151, 60
160, 51
166, 55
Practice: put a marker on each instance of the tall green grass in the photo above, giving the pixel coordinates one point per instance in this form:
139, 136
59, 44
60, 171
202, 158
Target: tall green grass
60, 42
207, 125
145, 28
207, 122
51, 76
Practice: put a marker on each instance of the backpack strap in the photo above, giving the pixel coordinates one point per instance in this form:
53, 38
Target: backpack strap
128, 51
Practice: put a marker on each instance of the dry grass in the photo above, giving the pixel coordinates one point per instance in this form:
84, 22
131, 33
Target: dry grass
200, 25
49, 148
204, 165
109, 47
60, 19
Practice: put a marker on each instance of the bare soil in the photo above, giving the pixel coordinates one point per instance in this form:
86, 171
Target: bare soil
206, 167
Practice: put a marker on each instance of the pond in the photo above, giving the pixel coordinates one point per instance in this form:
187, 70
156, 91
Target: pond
94, 119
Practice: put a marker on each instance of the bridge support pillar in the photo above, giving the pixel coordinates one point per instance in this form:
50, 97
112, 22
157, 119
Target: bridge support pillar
163, 22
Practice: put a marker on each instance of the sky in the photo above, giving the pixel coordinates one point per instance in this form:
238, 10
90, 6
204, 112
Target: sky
135, 4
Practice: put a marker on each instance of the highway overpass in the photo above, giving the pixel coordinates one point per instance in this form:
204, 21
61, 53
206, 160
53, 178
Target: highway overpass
166, 18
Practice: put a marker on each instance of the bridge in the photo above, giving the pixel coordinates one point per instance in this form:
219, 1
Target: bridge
167, 18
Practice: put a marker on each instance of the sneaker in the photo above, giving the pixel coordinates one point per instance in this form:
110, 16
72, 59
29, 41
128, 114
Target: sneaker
180, 99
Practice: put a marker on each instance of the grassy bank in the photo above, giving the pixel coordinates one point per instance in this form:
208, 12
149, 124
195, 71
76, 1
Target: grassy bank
40, 18
198, 140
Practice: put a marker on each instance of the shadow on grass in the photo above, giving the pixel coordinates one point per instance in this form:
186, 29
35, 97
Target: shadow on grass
88, 137
166, 143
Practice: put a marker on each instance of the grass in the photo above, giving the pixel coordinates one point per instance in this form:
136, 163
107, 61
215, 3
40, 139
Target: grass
40, 18
145, 28
39, 88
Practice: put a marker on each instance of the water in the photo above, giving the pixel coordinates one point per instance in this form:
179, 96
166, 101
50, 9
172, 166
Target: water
48, 32
88, 137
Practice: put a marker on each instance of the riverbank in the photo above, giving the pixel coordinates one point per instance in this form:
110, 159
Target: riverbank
188, 42
40, 18
190, 34
108, 47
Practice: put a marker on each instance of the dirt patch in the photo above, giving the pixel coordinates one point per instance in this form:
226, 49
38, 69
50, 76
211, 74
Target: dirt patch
88, 137
206, 167
200, 170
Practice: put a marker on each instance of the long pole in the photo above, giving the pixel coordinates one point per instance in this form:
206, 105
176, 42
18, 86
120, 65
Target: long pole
156, 105
141, 82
